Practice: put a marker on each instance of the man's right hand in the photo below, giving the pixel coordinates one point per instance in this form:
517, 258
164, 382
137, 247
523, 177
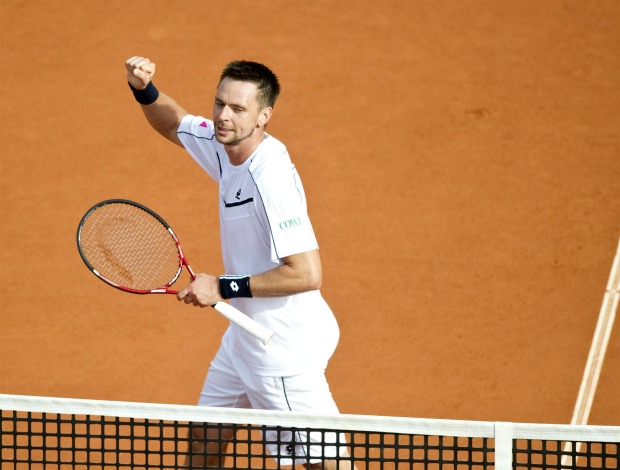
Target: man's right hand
164, 114
140, 71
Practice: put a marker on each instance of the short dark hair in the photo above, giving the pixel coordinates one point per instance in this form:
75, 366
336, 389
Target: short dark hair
265, 79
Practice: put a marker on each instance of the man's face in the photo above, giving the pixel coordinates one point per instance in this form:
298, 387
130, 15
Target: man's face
236, 112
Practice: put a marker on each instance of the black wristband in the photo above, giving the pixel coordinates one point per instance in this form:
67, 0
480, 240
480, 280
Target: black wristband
147, 96
232, 286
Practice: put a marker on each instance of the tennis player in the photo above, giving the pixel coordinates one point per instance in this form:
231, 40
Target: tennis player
270, 254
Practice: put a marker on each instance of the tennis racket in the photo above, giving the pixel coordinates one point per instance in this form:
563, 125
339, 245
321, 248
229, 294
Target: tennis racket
130, 247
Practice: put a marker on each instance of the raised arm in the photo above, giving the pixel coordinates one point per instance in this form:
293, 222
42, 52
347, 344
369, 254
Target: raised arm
164, 114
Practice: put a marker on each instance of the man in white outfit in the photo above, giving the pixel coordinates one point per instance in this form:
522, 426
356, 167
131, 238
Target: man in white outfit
270, 255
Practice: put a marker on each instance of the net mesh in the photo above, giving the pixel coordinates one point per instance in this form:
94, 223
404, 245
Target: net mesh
129, 247
78, 434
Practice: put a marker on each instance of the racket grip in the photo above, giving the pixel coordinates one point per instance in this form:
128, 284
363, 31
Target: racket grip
243, 321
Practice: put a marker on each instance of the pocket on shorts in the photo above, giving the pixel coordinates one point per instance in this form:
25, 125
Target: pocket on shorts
308, 392
303, 382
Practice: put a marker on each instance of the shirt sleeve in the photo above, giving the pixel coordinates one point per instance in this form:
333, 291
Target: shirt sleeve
198, 137
284, 199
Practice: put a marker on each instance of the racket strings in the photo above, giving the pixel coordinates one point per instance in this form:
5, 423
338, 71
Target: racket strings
130, 247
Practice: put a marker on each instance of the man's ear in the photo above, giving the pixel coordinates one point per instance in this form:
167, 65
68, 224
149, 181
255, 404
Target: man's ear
264, 116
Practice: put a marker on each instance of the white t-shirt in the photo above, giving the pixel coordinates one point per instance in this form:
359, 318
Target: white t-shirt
263, 218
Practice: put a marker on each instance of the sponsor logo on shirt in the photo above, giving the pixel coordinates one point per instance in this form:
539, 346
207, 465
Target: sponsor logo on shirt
290, 223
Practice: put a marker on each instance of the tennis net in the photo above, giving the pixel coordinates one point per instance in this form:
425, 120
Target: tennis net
60, 433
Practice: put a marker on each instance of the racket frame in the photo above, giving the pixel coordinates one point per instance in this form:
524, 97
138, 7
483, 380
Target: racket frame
164, 289
251, 326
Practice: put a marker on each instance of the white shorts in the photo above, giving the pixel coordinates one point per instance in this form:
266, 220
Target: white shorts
230, 383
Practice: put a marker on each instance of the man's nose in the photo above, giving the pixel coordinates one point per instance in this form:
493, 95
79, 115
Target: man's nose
224, 113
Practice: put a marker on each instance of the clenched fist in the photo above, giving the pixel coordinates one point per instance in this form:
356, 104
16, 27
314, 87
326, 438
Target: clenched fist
140, 71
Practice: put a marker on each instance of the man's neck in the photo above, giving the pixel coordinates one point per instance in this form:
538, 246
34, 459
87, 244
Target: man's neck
238, 154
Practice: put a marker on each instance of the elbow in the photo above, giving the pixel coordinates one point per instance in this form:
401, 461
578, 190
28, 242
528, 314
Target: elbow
314, 279
314, 272
304, 272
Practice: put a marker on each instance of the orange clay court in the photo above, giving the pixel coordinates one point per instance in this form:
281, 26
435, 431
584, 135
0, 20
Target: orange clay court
461, 162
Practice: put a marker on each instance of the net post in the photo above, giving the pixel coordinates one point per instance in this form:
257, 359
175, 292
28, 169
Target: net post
503, 446
598, 348
596, 356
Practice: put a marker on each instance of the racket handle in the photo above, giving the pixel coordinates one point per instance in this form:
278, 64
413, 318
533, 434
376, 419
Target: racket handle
251, 326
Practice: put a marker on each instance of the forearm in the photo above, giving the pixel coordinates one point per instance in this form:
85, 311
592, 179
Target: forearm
161, 111
298, 273
165, 115
289, 278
